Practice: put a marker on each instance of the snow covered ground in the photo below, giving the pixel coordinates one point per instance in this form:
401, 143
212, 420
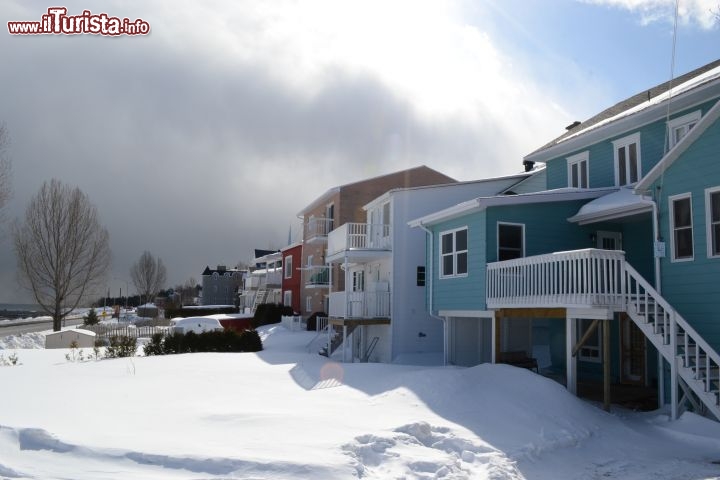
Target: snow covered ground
284, 413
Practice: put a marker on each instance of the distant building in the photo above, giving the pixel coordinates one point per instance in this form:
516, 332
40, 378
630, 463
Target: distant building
220, 286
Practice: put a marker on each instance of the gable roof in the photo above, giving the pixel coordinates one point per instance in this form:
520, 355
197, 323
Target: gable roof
706, 121
622, 203
632, 106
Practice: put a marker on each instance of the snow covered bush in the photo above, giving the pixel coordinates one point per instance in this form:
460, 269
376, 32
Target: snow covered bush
212, 341
122, 346
10, 361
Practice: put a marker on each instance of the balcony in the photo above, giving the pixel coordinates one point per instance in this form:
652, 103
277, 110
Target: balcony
317, 229
359, 241
263, 279
588, 278
359, 305
317, 276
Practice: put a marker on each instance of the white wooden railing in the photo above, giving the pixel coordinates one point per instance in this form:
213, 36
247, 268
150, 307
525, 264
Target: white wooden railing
579, 278
675, 339
293, 323
359, 304
363, 236
318, 227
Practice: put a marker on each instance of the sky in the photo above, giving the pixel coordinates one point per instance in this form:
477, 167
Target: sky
204, 139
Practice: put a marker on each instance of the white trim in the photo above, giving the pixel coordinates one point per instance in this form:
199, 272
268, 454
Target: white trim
287, 298
672, 125
467, 313
578, 159
659, 169
497, 238
287, 266
308, 304
454, 253
708, 222
623, 143
671, 211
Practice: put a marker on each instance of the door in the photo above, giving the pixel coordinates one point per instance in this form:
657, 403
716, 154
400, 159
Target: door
632, 352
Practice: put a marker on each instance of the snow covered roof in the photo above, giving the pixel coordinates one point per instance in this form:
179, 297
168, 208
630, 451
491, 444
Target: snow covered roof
710, 118
618, 204
481, 203
647, 101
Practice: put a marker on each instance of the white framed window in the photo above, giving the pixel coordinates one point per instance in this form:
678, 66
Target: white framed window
358, 279
330, 217
591, 351
679, 127
628, 168
681, 227
578, 170
510, 241
308, 304
712, 221
454, 253
310, 259
288, 266
287, 298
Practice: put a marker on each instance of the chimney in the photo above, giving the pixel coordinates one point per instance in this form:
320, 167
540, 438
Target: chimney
221, 268
572, 125
529, 165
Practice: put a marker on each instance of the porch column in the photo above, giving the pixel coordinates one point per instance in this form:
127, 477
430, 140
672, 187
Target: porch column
493, 344
661, 379
606, 365
673, 370
571, 365
344, 357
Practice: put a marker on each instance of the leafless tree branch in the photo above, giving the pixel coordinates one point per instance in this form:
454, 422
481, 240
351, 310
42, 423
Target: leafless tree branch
148, 275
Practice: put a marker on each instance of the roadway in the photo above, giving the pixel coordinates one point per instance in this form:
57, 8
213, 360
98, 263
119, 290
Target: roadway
18, 328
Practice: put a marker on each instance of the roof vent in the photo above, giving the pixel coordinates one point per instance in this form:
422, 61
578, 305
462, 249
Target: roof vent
529, 165
573, 125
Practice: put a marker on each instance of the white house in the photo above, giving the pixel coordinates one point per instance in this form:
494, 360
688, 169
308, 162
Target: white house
377, 305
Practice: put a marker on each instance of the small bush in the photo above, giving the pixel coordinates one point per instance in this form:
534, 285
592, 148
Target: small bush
91, 318
269, 313
122, 346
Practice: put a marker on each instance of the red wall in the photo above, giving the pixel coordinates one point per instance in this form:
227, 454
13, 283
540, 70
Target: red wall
293, 283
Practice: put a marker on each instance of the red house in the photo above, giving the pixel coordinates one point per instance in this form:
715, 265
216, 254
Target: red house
291, 275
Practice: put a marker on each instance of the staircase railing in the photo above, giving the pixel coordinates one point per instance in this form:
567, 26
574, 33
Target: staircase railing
675, 339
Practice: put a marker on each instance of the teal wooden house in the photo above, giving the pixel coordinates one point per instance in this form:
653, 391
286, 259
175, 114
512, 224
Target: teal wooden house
609, 275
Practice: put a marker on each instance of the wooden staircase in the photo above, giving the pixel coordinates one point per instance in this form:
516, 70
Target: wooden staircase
694, 365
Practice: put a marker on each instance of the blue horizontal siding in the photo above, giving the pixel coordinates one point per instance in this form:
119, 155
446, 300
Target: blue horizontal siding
693, 287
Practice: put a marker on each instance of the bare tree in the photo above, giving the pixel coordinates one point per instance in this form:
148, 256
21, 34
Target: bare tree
148, 275
63, 251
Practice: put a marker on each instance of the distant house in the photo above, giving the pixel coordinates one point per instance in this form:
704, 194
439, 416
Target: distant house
611, 275
338, 206
220, 286
263, 281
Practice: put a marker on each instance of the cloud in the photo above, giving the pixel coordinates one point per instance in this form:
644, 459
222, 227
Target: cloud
703, 13
204, 139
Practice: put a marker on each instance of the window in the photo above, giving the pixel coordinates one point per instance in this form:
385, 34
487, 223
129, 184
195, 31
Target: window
288, 266
681, 226
627, 160
679, 127
712, 220
358, 281
308, 304
578, 170
590, 351
511, 241
330, 216
453, 253
310, 259
287, 298
420, 276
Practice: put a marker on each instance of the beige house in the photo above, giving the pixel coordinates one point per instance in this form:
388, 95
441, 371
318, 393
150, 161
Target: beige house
64, 338
337, 206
